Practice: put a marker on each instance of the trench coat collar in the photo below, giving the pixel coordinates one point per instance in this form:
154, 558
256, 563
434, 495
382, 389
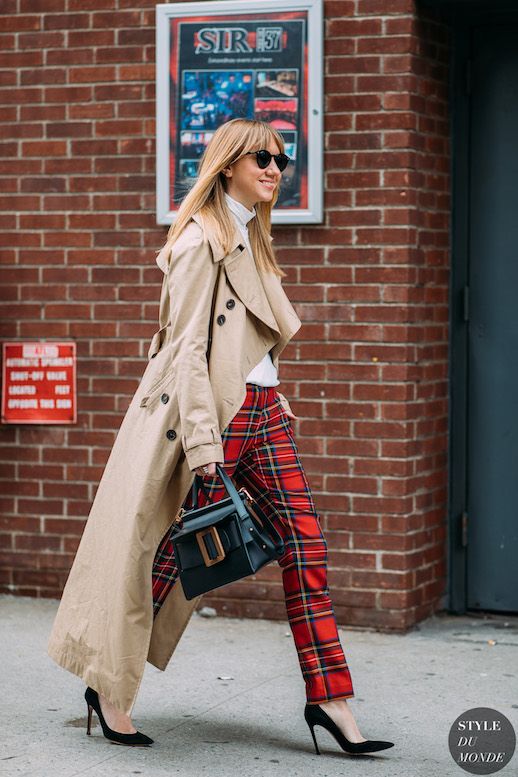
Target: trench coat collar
217, 251
261, 293
243, 275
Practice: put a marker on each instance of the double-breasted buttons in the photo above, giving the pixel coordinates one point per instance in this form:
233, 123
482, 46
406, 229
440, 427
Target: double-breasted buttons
171, 434
231, 303
165, 398
153, 355
221, 319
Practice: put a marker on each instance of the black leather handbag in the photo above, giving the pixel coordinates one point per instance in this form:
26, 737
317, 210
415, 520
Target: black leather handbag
222, 541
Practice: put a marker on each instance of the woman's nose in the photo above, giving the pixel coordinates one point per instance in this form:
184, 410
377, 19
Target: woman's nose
272, 168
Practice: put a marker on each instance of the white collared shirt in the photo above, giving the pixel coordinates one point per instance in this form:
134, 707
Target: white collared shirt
264, 373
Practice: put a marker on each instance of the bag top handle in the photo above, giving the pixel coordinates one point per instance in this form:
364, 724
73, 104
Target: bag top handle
229, 487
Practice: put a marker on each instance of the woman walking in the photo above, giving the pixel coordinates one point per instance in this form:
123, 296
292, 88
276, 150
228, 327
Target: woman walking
123, 603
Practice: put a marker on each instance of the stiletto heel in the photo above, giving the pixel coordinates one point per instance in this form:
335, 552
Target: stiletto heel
136, 739
316, 716
312, 729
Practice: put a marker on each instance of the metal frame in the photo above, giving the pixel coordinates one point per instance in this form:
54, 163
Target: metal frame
313, 214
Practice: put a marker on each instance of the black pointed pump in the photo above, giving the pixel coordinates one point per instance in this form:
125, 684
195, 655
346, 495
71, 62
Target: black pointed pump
137, 739
316, 716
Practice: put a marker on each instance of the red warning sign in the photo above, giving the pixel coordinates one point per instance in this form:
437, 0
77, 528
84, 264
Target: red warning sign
39, 383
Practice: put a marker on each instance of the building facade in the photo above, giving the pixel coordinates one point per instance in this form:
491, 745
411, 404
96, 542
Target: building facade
401, 374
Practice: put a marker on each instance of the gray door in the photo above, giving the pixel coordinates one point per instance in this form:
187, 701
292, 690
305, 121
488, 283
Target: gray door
492, 449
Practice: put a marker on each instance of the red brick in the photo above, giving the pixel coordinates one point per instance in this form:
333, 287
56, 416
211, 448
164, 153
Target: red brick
70, 56
37, 543
118, 127
40, 506
90, 75
41, 40
67, 21
19, 21
68, 94
44, 185
84, 38
70, 129
49, 75
347, 27
137, 72
70, 311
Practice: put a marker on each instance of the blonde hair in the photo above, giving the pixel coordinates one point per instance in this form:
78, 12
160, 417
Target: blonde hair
229, 143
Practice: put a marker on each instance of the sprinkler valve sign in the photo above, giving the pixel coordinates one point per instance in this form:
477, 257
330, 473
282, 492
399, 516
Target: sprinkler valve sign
39, 383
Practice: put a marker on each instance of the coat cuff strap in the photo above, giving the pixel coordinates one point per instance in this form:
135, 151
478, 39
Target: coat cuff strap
204, 454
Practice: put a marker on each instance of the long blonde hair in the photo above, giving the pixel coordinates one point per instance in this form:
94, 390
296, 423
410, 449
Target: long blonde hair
228, 144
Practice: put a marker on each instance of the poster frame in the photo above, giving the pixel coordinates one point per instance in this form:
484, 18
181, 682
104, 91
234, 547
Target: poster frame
313, 213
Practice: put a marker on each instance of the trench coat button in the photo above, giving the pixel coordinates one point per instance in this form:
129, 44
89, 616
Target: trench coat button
165, 398
171, 434
231, 303
153, 355
221, 320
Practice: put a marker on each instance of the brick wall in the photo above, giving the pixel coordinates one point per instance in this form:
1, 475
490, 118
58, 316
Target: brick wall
367, 373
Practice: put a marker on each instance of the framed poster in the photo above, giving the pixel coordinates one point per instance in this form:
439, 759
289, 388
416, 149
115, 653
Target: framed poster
217, 60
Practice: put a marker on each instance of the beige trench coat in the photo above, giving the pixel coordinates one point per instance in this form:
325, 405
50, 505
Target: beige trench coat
104, 629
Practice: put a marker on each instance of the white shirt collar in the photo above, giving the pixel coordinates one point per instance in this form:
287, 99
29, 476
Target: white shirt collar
241, 212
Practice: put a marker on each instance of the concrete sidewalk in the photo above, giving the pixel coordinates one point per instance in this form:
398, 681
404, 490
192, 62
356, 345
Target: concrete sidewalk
409, 689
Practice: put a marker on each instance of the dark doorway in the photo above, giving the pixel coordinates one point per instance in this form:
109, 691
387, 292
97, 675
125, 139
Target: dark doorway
492, 503
484, 483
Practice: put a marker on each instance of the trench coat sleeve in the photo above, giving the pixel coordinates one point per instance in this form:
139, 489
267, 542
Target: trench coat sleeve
192, 275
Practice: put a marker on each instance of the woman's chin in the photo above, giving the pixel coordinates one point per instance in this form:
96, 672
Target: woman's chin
265, 196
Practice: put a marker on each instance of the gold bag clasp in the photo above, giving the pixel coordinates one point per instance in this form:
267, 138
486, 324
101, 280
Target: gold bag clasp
200, 537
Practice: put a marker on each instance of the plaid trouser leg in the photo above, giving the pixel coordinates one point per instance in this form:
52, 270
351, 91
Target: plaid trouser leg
261, 454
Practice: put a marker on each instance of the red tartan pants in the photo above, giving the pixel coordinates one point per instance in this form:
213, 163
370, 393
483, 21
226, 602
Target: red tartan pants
261, 454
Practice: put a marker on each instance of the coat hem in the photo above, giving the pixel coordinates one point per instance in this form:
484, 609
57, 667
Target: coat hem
78, 667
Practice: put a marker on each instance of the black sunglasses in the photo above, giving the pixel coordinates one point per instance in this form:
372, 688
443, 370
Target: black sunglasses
264, 158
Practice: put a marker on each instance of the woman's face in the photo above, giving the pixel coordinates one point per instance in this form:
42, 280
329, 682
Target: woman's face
248, 184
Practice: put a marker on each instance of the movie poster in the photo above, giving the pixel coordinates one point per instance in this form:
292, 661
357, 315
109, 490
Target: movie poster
230, 65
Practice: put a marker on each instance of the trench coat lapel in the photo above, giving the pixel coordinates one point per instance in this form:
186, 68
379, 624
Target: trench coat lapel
287, 319
243, 276
262, 294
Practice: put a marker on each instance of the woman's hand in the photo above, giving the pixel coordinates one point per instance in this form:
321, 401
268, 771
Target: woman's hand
211, 469
286, 406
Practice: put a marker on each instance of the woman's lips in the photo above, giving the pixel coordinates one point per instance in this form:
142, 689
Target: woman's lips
269, 184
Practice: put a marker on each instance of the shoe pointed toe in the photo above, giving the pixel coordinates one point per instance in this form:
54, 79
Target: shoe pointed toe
130, 739
370, 746
381, 744
145, 739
